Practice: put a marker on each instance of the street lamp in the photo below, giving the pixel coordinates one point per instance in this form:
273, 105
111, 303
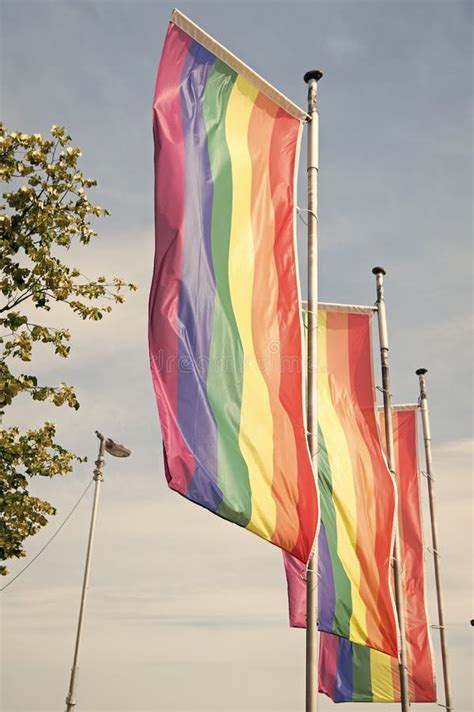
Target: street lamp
117, 450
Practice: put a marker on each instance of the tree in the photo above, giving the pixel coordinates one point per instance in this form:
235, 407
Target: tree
44, 213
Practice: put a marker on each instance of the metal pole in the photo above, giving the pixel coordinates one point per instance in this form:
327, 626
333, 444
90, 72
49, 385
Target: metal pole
387, 406
98, 477
312, 78
425, 419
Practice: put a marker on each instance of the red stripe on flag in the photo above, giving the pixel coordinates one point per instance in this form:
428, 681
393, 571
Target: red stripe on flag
169, 217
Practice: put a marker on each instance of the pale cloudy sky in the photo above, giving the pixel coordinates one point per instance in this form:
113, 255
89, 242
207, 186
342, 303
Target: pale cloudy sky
186, 612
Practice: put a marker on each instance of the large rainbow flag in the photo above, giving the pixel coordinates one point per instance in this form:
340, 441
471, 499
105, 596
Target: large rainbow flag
357, 491
353, 673
225, 330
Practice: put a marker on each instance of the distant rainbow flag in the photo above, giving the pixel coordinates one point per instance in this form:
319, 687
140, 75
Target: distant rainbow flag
357, 492
353, 673
225, 330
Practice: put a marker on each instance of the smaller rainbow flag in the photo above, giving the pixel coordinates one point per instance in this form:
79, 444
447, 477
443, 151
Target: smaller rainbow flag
354, 673
357, 491
225, 330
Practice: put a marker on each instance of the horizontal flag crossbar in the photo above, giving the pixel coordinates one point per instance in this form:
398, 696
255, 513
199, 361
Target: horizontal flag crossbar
237, 65
402, 406
351, 308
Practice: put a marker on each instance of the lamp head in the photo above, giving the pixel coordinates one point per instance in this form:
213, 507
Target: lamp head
116, 449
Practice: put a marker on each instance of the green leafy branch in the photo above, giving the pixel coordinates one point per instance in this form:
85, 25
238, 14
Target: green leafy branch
45, 211
25, 455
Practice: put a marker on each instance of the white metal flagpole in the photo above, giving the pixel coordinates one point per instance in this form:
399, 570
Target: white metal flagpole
425, 419
312, 78
387, 406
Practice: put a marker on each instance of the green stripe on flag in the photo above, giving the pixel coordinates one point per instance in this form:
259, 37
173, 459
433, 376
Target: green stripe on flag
342, 585
225, 376
361, 676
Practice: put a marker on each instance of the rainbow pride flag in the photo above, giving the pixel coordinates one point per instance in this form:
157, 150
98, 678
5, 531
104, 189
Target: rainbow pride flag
356, 489
225, 332
353, 673
357, 492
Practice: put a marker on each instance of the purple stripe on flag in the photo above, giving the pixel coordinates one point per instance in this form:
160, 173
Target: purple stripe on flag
344, 686
327, 593
197, 289
296, 581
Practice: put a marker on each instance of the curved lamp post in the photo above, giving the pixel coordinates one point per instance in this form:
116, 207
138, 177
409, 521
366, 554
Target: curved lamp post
112, 448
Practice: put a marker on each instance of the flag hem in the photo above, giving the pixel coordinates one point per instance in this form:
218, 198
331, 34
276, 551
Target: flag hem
198, 34
349, 308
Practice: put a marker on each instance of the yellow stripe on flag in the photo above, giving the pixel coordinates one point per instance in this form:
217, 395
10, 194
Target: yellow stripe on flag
256, 421
342, 482
381, 677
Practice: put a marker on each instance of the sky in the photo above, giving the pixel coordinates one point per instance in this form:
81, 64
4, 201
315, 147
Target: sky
187, 612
